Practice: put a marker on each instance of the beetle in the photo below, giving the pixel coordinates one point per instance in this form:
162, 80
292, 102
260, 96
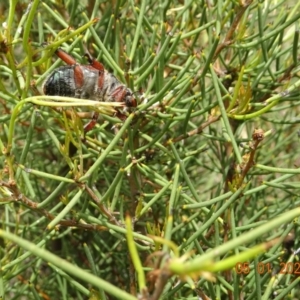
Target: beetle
91, 81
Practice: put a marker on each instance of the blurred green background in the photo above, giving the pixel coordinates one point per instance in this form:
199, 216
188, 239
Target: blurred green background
209, 156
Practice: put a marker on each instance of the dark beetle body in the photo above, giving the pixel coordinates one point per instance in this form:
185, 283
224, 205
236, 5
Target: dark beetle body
61, 83
87, 82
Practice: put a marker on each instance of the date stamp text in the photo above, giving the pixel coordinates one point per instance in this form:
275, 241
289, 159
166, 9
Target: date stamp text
263, 268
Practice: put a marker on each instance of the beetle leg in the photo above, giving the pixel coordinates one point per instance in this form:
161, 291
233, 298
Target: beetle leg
92, 123
119, 93
98, 66
67, 58
78, 76
94, 63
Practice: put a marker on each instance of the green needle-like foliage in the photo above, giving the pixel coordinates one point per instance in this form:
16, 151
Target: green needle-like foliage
193, 194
